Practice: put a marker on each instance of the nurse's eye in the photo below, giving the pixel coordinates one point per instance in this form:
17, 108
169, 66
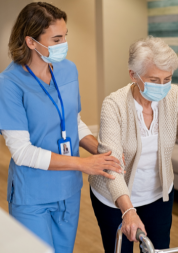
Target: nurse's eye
57, 41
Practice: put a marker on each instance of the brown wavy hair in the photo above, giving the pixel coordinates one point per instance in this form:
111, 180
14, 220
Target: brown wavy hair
32, 21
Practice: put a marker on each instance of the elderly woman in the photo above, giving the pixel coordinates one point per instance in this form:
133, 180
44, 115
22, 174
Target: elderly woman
139, 121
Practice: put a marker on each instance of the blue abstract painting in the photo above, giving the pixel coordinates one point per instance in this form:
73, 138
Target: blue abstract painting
163, 22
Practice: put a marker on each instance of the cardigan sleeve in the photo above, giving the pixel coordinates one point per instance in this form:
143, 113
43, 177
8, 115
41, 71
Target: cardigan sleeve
110, 140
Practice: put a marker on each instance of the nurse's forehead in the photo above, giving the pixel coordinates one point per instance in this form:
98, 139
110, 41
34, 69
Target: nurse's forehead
57, 28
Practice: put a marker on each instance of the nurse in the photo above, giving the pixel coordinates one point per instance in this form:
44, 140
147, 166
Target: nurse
40, 121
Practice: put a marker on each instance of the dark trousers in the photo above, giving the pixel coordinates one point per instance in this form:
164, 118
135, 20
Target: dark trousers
157, 218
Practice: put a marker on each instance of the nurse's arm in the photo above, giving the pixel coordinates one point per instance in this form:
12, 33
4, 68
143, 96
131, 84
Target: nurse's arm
90, 144
86, 138
26, 154
23, 152
93, 165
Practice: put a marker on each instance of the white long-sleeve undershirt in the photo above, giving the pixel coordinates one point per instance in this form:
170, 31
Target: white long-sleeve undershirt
26, 154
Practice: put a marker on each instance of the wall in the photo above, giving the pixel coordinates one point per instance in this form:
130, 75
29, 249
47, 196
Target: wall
123, 22
8, 13
163, 22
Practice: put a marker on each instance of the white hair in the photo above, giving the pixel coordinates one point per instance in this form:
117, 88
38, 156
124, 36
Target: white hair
151, 51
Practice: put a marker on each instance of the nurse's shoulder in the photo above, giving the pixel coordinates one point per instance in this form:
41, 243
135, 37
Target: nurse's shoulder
12, 73
69, 65
66, 70
9, 81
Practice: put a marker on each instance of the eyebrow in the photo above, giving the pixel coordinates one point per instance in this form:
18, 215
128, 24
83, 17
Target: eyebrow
59, 35
158, 77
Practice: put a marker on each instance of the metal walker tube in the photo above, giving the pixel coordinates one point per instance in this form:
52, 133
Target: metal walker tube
146, 244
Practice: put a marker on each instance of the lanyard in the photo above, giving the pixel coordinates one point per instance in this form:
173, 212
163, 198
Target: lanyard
62, 117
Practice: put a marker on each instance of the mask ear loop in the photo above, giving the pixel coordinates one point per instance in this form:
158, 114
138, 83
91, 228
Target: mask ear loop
38, 52
40, 44
142, 82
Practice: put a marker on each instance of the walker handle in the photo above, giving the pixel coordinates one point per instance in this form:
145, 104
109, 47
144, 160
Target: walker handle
139, 233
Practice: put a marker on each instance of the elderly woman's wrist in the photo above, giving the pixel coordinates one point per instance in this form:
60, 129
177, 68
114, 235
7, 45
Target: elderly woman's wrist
124, 203
129, 211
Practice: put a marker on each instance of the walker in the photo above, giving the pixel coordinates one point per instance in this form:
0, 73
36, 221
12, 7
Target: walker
146, 244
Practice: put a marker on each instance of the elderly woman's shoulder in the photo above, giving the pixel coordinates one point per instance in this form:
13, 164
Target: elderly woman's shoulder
174, 87
173, 93
119, 96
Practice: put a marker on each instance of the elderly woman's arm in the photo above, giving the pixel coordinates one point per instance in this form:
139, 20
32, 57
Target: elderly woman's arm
110, 139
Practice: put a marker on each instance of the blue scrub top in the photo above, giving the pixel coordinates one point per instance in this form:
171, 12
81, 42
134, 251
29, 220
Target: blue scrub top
25, 106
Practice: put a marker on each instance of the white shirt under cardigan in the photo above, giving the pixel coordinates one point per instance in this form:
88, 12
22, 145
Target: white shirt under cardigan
26, 154
147, 186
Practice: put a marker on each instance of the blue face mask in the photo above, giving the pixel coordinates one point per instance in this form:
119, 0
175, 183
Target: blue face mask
153, 91
57, 53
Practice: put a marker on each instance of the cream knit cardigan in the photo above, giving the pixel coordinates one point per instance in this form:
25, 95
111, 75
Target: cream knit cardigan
119, 132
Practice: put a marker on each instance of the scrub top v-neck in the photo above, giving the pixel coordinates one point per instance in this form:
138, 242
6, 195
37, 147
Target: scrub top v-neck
25, 106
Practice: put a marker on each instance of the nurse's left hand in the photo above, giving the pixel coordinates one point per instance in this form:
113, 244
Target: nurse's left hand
95, 165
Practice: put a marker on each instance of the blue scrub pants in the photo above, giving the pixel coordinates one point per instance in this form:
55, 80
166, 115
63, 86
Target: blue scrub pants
55, 223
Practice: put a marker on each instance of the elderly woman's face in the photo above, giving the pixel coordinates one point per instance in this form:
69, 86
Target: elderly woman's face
152, 75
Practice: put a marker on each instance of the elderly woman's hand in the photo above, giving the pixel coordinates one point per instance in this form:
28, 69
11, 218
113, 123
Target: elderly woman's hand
130, 224
131, 221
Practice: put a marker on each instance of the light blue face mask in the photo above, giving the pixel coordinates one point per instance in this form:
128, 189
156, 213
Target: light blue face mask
57, 53
153, 91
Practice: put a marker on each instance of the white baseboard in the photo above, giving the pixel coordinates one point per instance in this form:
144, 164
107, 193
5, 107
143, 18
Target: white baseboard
94, 129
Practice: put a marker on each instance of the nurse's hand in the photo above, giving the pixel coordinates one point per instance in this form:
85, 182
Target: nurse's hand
94, 165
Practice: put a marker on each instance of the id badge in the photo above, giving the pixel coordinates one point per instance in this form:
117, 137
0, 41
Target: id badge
65, 147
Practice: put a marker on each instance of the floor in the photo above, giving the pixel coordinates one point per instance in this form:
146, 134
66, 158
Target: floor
88, 236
